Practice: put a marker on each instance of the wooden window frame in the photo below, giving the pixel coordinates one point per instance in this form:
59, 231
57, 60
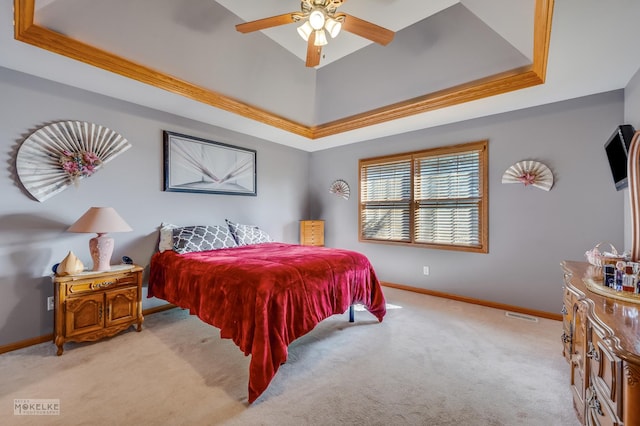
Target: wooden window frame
483, 209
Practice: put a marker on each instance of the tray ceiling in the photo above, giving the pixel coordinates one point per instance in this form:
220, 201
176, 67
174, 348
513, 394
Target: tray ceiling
257, 83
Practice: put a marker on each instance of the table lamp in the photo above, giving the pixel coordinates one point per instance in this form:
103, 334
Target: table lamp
100, 220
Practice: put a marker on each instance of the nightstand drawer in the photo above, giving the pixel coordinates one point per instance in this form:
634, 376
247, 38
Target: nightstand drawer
86, 285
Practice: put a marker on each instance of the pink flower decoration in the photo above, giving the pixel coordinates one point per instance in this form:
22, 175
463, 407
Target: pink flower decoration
79, 164
70, 167
527, 178
90, 158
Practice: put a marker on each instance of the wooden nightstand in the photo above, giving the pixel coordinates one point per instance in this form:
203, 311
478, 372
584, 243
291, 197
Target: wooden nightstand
92, 305
312, 232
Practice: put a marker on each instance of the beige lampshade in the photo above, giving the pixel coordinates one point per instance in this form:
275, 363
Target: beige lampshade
100, 220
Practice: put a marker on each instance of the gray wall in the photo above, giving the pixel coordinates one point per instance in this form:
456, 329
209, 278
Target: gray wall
32, 234
530, 231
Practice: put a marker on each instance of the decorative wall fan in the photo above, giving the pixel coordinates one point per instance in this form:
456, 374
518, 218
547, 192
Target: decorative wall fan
60, 154
319, 16
528, 173
340, 188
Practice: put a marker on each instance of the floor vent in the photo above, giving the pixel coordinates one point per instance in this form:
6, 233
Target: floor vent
521, 316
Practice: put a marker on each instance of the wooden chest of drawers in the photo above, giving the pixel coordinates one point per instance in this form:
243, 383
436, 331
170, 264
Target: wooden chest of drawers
601, 341
93, 305
312, 232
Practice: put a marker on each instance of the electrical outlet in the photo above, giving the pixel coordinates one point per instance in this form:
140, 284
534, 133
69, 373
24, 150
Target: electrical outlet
50, 303
425, 270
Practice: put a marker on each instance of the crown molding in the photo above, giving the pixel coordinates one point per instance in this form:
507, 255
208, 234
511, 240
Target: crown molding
25, 30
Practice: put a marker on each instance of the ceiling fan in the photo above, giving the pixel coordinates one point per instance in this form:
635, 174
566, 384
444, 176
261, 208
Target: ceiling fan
319, 16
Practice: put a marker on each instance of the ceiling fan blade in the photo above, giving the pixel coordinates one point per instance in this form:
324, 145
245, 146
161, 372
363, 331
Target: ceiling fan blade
313, 52
367, 30
273, 21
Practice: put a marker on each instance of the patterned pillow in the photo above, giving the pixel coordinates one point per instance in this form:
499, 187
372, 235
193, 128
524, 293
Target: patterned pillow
201, 238
248, 234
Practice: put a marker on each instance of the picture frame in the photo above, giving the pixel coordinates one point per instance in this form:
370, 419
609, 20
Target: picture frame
193, 164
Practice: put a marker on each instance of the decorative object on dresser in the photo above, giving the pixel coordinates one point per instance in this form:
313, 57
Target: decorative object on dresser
92, 305
62, 153
70, 265
601, 337
312, 232
596, 257
194, 164
528, 172
100, 220
340, 188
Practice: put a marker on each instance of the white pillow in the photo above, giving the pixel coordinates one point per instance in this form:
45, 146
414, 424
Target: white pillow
166, 237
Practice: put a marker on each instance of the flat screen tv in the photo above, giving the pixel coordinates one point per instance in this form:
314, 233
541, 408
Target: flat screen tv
617, 148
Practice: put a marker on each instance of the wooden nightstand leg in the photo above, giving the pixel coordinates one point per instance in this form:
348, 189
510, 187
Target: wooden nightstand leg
140, 319
59, 343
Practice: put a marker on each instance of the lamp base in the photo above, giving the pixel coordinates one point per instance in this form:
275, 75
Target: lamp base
101, 249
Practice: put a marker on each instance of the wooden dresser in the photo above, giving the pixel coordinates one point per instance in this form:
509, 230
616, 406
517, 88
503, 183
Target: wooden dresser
312, 232
93, 305
601, 343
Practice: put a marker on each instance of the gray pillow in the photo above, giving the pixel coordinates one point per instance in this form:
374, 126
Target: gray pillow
201, 238
248, 234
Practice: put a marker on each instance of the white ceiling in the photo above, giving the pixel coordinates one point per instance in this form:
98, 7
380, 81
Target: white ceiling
591, 51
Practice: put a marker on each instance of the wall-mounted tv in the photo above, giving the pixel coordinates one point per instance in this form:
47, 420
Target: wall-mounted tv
617, 148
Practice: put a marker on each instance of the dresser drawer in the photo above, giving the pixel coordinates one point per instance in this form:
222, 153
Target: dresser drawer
599, 412
605, 370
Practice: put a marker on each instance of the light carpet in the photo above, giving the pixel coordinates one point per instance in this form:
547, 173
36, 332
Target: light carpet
431, 362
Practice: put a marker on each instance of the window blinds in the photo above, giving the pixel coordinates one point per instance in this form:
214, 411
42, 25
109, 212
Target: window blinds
447, 195
385, 194
433, 197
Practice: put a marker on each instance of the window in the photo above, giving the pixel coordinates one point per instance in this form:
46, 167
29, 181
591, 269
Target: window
434, 198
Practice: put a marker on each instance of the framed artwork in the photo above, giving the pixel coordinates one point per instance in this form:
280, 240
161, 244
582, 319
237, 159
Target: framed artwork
198, 165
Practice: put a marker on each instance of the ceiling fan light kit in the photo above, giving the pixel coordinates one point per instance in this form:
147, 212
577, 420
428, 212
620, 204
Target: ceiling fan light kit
318, 16
321, 38
316, 19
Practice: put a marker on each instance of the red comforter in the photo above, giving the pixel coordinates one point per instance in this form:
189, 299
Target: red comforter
265, 296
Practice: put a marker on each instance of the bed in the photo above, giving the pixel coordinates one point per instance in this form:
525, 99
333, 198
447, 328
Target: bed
264, 296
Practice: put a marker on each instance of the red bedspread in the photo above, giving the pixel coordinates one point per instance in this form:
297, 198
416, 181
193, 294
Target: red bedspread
265, 296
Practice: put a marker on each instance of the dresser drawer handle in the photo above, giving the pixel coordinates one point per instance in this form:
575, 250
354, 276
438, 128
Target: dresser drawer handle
593, 353
565, 338
564, 310
102, 284
594, 404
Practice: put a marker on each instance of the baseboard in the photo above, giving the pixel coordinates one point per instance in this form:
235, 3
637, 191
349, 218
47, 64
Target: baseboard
26, 343
518, 309
49, 337
157, 309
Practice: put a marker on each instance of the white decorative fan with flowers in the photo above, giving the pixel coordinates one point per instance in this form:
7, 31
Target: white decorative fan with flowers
60, 154
528, 173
